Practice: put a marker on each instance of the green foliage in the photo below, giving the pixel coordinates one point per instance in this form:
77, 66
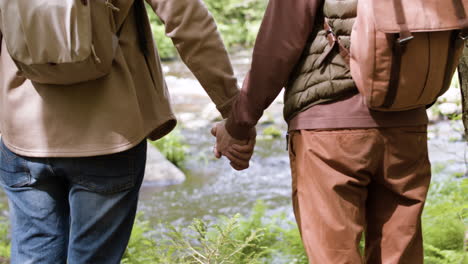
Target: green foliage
273, 132
444, 222
435, 255
140, 248
455, 117
165, 47
289, 245
230, 240
216, 243
4, 241
262, 239
238, 22
173, 147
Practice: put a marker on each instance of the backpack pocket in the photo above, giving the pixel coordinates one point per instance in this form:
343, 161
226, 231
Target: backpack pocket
405, 59
59, 41
417, 77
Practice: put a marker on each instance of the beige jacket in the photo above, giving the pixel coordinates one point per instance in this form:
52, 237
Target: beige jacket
132, 103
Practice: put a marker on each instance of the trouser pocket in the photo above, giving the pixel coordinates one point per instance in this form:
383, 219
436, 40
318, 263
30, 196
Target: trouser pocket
110, 173
13, 170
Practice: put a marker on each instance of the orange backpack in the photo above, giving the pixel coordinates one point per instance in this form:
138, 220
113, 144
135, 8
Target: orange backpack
404, 53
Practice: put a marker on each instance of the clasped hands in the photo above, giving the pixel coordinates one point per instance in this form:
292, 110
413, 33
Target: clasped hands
237, 151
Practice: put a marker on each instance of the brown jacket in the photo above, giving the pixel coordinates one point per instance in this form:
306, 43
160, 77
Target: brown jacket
114, 113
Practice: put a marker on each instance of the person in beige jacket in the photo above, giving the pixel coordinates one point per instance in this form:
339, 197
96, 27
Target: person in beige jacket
72, 158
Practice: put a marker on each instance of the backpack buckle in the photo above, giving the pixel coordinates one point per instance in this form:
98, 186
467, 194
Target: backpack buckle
404, 41
463, 35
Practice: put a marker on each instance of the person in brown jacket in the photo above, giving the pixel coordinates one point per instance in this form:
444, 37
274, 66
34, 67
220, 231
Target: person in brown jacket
72, 158
353, 170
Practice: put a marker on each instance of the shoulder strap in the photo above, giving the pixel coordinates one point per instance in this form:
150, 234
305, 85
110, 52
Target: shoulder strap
333, 40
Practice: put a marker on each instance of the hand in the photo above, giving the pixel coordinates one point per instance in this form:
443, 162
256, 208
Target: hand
237, 151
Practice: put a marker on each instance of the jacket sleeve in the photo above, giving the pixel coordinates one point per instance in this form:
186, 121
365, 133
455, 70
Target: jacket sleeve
281, 40
195, 35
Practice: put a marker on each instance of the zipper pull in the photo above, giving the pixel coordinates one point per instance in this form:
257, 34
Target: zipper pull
96, 58
111, 6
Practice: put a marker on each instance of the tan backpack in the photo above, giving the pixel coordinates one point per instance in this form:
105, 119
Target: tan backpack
60, 41
405, 52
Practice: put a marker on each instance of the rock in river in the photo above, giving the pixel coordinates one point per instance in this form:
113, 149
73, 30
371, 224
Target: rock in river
160, 171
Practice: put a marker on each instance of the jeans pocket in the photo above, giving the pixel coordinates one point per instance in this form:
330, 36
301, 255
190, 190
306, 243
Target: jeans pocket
108, 174
13, 169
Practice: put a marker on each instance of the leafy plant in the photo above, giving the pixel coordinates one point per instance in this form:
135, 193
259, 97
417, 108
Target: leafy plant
233, 240
4, 241
140, 249
444, 222
214, 243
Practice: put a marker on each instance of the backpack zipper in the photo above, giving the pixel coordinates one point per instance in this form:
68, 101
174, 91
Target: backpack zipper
96, 58
111, 6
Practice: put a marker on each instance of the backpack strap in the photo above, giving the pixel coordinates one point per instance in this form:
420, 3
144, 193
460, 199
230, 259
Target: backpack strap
405, 34
399, 48
333, 40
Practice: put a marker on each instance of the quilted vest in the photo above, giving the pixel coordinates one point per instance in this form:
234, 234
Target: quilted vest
322, 74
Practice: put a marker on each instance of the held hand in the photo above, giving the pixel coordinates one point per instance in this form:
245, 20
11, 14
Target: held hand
237, 151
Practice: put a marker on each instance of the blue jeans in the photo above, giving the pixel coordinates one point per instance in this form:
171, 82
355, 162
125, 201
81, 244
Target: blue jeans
71, 210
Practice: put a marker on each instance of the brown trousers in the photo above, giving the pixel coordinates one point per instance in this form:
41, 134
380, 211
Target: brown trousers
346, 182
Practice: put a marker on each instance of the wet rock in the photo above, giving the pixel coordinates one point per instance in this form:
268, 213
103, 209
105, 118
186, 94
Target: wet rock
196, 124
449, 108
453, 95
211, 114
186, 117
160, 171
433, 115
184, 86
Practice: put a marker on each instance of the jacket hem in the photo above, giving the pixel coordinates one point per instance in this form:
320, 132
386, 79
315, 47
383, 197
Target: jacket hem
91, 153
